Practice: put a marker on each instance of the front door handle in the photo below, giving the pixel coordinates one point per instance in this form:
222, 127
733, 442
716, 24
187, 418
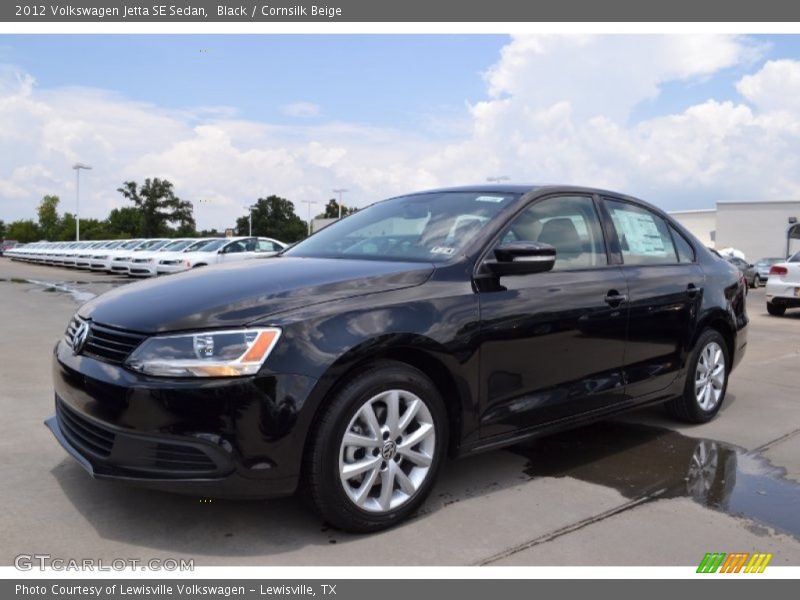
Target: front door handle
692, 290
614, 298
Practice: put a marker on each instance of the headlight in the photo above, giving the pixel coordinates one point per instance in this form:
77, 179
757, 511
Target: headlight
229, 353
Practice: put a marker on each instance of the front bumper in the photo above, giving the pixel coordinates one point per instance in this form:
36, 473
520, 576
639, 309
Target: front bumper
213, 437
169, 269
142, 270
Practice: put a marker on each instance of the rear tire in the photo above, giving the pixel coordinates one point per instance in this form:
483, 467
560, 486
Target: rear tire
706, 380
775, 310
756, 281
370, 466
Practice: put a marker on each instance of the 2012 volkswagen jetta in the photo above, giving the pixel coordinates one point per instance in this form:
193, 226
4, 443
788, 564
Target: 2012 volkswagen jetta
436, 324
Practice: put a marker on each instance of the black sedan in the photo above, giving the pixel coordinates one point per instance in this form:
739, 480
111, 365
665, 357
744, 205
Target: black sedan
436, 324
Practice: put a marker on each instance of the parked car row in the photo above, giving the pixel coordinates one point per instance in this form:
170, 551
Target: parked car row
146, 257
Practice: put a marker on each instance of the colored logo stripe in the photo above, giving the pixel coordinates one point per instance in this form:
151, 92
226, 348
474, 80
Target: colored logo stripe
711, 562
734, 563
758, 563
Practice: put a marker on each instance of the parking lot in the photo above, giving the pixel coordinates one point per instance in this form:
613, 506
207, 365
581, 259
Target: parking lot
616, 493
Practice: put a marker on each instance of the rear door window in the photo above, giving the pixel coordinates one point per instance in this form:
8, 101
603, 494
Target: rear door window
644, 237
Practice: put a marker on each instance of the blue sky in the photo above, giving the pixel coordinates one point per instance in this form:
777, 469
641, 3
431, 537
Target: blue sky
383, 80
682, 121
398, 81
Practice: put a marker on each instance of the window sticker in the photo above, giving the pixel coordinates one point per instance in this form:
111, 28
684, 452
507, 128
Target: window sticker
641, 232
494, 199
442, 250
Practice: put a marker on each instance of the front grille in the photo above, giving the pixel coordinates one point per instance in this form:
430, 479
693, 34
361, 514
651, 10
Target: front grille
175, 457
105, 343
131, 452
82, 433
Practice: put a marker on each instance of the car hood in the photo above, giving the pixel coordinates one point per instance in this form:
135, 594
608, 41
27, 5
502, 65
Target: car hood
239, 293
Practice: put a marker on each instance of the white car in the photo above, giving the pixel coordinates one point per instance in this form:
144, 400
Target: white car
146, 247
84, 256
104, 260
783, 286
173, 261
223, 250
144, 263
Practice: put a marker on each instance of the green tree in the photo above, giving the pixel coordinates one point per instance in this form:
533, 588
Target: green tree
274, 217
66, 228
125, 222
159, 206
2, 229
47, 212
332, 210
24, 231
94, 229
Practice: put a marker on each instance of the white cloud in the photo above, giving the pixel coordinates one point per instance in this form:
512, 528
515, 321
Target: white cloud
301, 109
775, 87
557, 109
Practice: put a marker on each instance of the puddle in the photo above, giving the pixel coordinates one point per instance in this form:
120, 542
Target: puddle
78, 295
641, 461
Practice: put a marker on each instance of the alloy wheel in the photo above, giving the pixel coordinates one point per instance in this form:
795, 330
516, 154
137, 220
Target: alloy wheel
709, 379
387, 450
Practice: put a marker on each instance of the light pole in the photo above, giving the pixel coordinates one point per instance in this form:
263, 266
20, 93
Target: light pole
340, 191
250, 228
309, 202
77, 167
498, 178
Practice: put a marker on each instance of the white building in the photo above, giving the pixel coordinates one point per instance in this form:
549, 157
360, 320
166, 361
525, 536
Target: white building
759, 229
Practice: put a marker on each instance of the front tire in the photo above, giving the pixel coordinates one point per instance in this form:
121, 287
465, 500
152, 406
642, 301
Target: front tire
775, 309
706, 380
756, 282
377, 449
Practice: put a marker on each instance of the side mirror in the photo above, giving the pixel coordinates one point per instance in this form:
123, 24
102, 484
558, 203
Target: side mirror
521, 258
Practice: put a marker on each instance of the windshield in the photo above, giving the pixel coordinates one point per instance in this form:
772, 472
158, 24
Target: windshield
213, 245
196, 245
765, 262
432, 227
176, 245
152, 245
131, 244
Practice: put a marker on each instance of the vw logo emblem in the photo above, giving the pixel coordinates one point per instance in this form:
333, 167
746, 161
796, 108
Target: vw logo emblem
79, 337
389, 450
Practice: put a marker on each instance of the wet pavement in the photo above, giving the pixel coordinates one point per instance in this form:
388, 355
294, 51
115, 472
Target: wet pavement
641, 489
645, 462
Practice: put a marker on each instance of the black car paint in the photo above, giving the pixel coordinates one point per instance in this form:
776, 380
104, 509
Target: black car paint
513, 357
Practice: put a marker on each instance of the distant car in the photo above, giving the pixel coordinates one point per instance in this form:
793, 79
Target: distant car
758, 273
7, 245
742, 265
144, 262
224, 250
783, 286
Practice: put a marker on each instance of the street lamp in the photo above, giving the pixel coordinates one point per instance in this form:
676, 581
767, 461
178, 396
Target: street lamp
250, 209
309, 202
340, 191
498, 178
77, 167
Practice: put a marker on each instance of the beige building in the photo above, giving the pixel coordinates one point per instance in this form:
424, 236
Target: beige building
759, 229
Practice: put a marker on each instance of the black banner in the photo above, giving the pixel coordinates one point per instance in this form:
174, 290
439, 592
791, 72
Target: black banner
407, 11
730, 588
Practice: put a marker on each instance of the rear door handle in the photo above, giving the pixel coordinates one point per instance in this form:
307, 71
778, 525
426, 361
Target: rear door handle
692, 290
614, 298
